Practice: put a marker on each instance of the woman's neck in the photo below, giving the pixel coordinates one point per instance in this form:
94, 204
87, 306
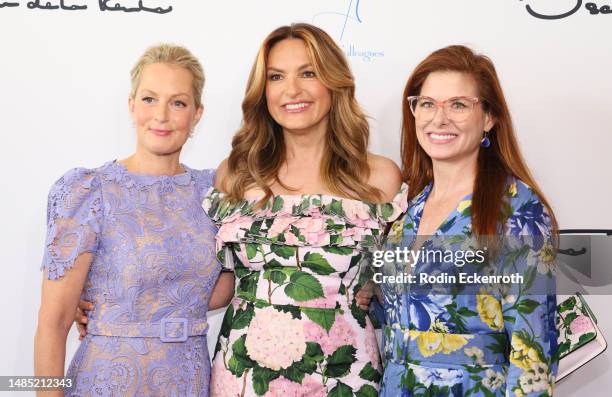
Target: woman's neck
453, 178
147, 163
305, 148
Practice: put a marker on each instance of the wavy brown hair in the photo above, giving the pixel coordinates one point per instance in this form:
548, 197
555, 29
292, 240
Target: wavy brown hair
495, 163
258, 148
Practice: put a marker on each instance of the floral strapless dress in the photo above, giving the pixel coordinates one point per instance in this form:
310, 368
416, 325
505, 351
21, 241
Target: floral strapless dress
294, 328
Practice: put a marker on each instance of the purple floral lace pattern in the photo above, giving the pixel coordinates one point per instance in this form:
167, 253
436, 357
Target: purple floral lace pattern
153, 269
73, 220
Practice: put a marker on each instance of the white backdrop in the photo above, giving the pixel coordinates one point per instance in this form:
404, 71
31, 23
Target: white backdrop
64, 81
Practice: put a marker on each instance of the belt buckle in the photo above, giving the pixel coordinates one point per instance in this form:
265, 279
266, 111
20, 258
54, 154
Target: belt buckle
178, 320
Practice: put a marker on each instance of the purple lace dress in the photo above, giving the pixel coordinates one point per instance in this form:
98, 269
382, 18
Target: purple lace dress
150, 280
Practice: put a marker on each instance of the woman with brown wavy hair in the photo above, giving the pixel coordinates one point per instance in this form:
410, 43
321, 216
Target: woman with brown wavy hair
299, 202
469, 183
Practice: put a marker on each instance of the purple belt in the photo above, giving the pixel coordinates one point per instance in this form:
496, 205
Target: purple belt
174, 329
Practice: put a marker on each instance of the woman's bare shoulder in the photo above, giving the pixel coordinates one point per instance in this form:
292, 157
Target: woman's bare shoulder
221, 175
384, 175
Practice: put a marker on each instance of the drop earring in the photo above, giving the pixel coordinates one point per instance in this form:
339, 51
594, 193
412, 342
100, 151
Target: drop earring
485, 142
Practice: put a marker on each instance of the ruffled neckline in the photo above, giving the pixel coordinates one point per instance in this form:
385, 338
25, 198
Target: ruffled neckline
351, 209
115, 171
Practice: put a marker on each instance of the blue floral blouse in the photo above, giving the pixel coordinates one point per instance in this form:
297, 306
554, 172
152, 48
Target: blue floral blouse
497, 338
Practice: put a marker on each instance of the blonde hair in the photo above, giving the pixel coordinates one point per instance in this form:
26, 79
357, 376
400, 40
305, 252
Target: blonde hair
258, 148
172, 55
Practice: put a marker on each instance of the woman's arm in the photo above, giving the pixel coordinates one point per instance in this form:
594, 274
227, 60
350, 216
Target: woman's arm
528, 309
223, 292
80, 317
224, 288
529, 322
74, 218
366, 293
59, 301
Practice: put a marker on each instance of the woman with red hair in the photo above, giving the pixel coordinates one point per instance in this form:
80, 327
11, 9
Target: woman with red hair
469, 189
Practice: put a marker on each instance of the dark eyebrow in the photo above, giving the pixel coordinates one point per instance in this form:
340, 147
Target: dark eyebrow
304, 66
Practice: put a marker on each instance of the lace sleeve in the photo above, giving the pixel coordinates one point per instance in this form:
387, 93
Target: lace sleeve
74, 218
204, 180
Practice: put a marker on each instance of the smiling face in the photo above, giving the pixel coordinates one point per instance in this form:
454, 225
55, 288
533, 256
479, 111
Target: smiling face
443, 139
296, 99
163, 109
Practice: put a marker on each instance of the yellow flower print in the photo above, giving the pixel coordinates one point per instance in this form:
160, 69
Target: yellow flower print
490, 311
547, 253
522, 355
431, 343
463, 205
439, 326
512, 191
397, 232
452, 342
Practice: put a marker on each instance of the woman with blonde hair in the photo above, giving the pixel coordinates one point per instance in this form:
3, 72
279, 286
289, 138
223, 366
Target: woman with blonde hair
299, 202
469, 190
132, 238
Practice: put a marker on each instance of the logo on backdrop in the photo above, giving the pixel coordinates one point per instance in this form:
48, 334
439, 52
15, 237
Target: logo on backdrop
340, 23
102, 5
564, 10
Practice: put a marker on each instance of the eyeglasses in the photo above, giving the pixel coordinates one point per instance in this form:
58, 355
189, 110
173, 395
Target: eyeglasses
457, 109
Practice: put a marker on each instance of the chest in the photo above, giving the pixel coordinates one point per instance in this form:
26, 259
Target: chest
301, 178
434, 215
153, 227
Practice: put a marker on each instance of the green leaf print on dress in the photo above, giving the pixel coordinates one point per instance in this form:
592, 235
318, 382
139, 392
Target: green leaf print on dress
294, 328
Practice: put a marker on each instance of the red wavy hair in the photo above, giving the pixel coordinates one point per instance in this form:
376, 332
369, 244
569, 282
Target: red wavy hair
495, 163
